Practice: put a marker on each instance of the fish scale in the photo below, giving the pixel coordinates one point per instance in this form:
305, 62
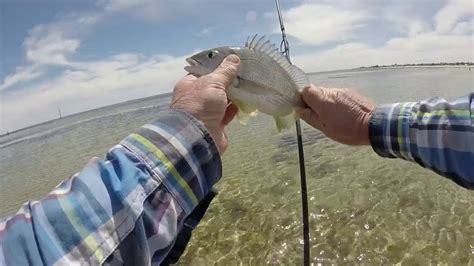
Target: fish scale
265, 70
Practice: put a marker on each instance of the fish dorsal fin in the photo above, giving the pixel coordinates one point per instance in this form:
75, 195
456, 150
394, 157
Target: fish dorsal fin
260, 45
299, 77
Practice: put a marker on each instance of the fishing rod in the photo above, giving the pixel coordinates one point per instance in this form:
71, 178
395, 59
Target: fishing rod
285, 49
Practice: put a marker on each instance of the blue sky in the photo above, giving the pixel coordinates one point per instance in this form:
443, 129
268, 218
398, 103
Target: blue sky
83, 54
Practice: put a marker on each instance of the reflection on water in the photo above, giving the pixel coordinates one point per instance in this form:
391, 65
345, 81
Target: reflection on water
363, 208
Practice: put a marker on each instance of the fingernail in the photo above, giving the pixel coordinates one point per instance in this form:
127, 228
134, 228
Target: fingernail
232, 59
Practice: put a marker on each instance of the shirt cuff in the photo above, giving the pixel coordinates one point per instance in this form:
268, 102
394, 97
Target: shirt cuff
181, 154
389, 131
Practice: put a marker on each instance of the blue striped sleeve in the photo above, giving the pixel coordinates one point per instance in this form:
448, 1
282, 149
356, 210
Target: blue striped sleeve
129, 208
435, 133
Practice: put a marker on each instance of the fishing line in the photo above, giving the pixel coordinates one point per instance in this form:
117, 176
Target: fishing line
285, 49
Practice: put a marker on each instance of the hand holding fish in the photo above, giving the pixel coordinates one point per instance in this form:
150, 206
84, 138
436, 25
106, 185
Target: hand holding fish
341, 114
205, 98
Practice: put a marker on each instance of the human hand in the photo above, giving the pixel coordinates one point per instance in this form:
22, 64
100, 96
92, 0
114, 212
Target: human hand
205, 99
341, 114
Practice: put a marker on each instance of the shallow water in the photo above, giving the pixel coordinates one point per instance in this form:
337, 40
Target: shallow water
363, 208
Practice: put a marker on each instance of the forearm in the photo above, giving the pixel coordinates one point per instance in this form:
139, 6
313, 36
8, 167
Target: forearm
129, 207
435, 134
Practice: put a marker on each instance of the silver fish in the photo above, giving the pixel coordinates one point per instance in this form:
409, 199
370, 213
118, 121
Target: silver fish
266, 81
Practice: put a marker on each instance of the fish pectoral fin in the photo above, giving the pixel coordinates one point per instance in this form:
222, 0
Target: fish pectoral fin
254, 113
245, 112
251, 111
284, 122
243, 118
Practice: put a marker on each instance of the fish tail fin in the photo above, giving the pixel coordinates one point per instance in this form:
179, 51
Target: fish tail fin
284, 122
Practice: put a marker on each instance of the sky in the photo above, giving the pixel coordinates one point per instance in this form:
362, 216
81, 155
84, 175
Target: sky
83, 54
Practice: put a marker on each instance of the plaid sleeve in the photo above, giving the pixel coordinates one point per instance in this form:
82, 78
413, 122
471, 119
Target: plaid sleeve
435, 133
127, 209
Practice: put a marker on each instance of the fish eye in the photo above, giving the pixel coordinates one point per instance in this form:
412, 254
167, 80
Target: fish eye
210, 55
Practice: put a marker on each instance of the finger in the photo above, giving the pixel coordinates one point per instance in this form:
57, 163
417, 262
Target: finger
226, 72
229, 115
311, 118
182, 86
313, 97
224, 143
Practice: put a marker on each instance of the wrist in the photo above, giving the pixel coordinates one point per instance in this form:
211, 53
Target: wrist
214, 134
365, 128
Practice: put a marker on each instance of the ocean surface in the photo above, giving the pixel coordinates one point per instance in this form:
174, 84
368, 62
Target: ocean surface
363, 208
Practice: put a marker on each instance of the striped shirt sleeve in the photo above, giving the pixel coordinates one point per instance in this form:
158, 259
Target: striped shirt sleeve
129, 208
434, 133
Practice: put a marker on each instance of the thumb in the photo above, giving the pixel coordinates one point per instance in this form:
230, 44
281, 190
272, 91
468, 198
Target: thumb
226, 72
313, 97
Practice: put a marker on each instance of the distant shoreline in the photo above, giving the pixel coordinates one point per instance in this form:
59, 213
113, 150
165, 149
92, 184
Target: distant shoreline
7, 133
370, 68
457, 64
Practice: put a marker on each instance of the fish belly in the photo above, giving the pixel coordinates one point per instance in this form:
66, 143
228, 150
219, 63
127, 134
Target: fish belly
252, 96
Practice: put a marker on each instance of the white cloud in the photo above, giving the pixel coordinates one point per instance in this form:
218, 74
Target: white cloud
50, 44
452, 13
22, 74
206, 31
316, 24
82, 85
428, 47
464, 28
50, 49
152, 10
450, 39
119, 5
408, 25
87, 85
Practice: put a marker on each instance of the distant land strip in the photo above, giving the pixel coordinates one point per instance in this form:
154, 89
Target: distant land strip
424, 64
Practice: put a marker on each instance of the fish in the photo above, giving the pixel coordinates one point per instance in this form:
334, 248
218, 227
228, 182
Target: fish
266, 81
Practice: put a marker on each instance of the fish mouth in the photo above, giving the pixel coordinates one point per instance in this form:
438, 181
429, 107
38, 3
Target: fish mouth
192, 62
195, 68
